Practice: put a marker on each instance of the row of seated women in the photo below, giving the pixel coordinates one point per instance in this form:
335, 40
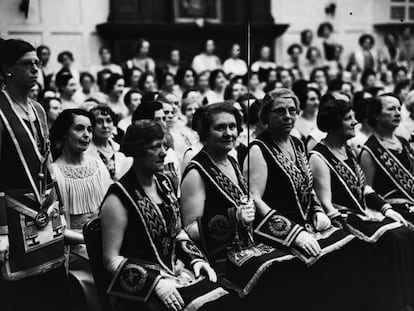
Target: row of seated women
284, 234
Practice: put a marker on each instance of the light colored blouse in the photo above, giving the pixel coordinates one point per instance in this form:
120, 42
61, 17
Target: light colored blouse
82, 188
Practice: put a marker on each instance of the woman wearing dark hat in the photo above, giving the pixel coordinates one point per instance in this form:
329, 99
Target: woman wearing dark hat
31, 221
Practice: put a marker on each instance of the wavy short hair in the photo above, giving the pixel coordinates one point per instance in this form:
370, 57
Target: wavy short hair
61, 127
139, 135
205, 119
374, 107
332, 113
271, 97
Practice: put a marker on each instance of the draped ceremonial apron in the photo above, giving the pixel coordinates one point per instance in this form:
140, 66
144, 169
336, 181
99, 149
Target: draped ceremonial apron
31, 216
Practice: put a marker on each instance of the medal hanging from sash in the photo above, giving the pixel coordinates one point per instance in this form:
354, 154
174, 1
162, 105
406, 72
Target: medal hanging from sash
42, 217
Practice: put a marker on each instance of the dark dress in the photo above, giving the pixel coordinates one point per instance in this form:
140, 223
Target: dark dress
392, 252
153, 248
394, 175
340, 278
33, 277
279, 277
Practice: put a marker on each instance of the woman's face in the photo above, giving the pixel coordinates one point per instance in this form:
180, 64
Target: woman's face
390, 115
371, 80
254, 81
70, 88
220, 80
286, 79
348, 125
237, 91
79, 134
203, 82
189, 113
104, 126
55, 108
223, 132
118, 88
86, 84
401, 75
282, 116
169, 82
144, 48
312, 104
134, 102
149, 84
320, 78
34, 91
135, 75
153, 159
25, 71
169, 115
189, 80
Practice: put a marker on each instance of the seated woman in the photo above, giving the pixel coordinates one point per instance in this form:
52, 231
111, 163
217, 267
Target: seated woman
387, 160
102, 145
82, 181
290, 216
218, 215
144, 246
350, 203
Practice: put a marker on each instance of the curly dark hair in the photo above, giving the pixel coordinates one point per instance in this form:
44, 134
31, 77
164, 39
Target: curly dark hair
139, 135
61, 127
332, 113
205, 119
112, 80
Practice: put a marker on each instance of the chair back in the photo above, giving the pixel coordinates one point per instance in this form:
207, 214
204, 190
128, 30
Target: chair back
93, 241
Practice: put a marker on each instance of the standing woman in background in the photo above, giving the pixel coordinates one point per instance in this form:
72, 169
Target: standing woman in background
31, 221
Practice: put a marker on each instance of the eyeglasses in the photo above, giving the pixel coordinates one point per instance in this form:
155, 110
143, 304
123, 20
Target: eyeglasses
281, 112
28, 63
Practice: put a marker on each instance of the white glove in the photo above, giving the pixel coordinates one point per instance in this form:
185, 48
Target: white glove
321, 222
166, 290
308, 243
246, 213
200, 266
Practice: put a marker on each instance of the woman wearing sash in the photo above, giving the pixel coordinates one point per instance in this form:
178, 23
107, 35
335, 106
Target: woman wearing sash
144, 246
218, 215
290, 216
388, 160
31, 217
355, 206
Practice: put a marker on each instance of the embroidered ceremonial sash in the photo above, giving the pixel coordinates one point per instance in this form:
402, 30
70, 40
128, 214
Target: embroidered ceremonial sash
160, 233
352, 180
244, 265
360, 222
402, 177
298, 174
27, 149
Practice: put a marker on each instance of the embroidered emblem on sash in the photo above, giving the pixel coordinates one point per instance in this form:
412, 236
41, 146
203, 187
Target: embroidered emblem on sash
190, 248
219, 228
132, 278
279, 226
239, 257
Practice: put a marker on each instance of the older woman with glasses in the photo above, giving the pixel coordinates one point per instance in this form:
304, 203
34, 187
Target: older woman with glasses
290, 215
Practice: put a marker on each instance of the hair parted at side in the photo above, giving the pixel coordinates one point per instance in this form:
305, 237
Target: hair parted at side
332, 113
271, 97
139, 135
61, 127
205, 117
